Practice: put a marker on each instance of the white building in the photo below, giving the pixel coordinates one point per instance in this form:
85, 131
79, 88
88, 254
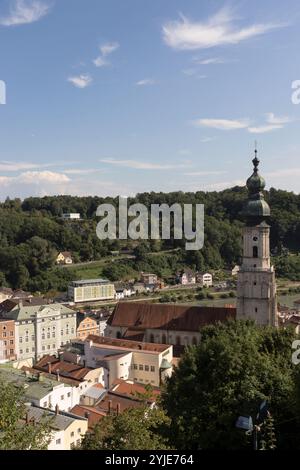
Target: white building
91, 290
205, 280
129, 360
71, 216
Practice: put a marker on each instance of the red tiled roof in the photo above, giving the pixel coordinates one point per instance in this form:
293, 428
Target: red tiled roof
131, 390
115, 398
123, 343
73, 371
93, 414
142, 316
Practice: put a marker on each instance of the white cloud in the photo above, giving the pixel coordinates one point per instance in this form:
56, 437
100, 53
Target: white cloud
213, 60
205, 173
25, 12
221, 124
272, 119
264, 129
204, 140
100, 62
141, 165
217, 30
78, 171
109, 48
145, 82
81, 81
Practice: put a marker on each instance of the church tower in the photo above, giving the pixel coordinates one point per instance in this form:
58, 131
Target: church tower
256, 290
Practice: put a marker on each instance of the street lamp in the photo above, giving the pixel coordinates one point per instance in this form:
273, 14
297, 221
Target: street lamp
246, 423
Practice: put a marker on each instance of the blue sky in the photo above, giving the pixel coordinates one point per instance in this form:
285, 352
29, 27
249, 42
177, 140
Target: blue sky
115, 97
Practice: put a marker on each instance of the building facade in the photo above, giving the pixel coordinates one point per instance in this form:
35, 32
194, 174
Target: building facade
86, 325
41, 329
64, 257
7, 340
91, 290
256, 289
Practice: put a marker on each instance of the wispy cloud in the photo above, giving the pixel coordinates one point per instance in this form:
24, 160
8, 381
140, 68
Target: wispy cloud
272, 119
141, 165
218, 30
79, 171
25, 12
211, 61
81, 81
106, 50
264, 129
145, 82
205, 173
221, 124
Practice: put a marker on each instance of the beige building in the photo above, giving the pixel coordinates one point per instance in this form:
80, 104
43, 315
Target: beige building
64, 257
256, 289
129, 360
41, 329
67, 429
91, 290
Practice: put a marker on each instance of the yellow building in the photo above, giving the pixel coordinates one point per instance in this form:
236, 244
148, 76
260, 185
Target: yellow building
91, 290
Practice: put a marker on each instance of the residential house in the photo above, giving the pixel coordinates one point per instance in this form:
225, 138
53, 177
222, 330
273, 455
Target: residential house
7, 340
123, 291
40, 329
40, 390
179, 325
205, 280
64, 257
129, 360
186, 277
91, 413
148, 278
5, 293
71, 216
67, 429
91, 290
86, 325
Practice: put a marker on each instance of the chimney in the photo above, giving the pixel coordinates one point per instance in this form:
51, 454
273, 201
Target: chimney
109, 406
57, 410
118, 409
49, 368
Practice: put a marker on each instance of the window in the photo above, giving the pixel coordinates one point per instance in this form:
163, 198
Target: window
43, 336
78, 442
5, 343
43, 348
33, 349
178, 341
135, 366
32, 338
11, 351
256, 310
58, 441
21, 351
69, 394
255, 239
53, 335
11, 333
62, 397
151, 338
79, 430
164, 339
255, 252
141, 367
72, 434
4, 335
4, 327
21, 339
27, 350
194, 341
62, 332
254, 283
48, 347
48, 335
72, 331
26, 339
152, 369
45, 404
11, 341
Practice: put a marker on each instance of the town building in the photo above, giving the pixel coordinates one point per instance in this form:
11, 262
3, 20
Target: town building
91, 290
7, 340
71, 216
40, 329
148, 278
179, 325
86, 325
5, 293
256, 288
129, 360
186, 277
67, 429
40, 390
123, 291
205, 280
64, 257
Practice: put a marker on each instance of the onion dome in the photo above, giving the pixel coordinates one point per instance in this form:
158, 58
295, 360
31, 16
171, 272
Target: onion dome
256, 208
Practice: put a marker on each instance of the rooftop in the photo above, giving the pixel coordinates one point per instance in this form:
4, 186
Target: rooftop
65, 369
61, 421
143, 315
112, 343
87, 282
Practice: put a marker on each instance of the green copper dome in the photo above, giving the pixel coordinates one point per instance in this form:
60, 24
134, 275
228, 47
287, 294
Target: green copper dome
256, 208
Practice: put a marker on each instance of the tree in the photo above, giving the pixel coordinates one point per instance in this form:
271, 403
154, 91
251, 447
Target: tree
14, 435
234, 368
135, 429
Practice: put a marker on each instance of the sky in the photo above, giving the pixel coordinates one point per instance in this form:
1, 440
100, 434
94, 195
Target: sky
116, 97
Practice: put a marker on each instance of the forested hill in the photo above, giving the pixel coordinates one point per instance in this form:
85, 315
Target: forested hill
32, 232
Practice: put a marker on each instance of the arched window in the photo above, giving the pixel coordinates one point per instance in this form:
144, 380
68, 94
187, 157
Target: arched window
178, 341
164, 339
255, 252
119, 335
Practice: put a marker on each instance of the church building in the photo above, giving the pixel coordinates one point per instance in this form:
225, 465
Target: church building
256, 291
